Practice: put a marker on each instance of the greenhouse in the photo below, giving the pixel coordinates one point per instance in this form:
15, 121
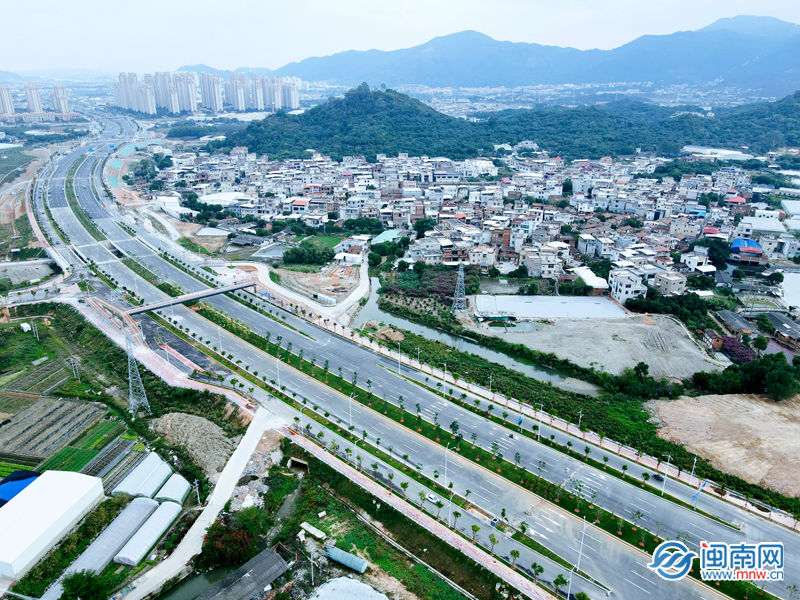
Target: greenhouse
176, 489
145, 478
100, 552
148, 535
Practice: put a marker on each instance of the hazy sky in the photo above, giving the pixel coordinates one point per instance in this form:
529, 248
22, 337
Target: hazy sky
146, 35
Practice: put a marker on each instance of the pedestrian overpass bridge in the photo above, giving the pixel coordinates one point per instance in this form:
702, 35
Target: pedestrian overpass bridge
189, 297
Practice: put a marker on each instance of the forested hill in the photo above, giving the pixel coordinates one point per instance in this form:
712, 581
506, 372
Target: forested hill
365, 122
369, 122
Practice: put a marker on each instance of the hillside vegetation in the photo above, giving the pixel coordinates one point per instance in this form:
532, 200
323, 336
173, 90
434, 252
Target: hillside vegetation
369, 122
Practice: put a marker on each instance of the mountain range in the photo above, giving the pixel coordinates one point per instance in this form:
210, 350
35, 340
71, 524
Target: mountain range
759, 53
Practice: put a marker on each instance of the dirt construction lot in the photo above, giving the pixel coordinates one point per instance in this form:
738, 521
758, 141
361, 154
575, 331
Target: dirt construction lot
334, 280
614, 344
749, 436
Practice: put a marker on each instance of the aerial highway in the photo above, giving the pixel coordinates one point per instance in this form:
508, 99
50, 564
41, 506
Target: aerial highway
617, 565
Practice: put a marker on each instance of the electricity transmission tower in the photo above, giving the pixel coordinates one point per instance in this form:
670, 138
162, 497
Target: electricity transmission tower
136, 396
460, 296
73, 366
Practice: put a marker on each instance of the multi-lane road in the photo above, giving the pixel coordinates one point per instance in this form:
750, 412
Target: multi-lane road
620, 567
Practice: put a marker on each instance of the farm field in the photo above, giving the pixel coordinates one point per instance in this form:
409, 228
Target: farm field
47, 425
68, 459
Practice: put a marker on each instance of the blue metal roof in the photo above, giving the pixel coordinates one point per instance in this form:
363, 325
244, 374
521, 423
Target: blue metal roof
10, 489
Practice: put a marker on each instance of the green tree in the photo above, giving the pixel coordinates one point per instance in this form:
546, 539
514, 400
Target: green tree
559, 582
423, 225
760, 343
85, 585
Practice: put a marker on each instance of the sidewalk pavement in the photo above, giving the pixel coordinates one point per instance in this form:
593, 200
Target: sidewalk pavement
503, 571
191, 544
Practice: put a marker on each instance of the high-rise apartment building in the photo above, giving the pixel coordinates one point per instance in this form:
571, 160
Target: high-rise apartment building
236, 91
33, 97
59, 98
172, 92
211, 91
187, 92
132, 95
290, 95
6, 105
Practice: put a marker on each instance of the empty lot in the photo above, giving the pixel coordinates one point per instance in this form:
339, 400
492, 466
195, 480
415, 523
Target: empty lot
745, 435
614, 344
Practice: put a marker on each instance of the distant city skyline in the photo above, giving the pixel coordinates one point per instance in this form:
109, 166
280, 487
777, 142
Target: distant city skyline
162, 36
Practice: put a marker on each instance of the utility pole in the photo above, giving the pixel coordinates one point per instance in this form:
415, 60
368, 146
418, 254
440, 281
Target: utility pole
580, 418
694, 462
197, 490
35, 330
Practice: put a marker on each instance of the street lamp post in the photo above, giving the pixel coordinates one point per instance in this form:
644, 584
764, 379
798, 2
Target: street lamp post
539, 430
351, 410
444, 377
399, 365
450, 508
664, 483
445, 461
694, 462
578, 564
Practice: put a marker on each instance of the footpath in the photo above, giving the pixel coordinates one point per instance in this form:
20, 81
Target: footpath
503, 571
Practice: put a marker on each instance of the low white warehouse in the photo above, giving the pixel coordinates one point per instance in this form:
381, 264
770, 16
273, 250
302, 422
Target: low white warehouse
38, 517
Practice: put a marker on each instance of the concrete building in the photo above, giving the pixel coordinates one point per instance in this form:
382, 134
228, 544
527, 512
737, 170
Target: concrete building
187, 92
34, 97
211, 91
670, 283
625, 285
236, 91
6, 105
60, 102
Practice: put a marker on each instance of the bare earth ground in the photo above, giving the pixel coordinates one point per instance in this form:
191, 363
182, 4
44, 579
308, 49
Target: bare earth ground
12, 205
203, 440
333, 280
745, 435
122, 194
614, 344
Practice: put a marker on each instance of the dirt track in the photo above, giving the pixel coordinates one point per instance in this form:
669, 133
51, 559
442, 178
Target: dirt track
748, 436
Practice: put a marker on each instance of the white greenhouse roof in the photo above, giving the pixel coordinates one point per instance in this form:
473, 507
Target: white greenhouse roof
149, 533
145, 478
176, 489
41, 514
105, 546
